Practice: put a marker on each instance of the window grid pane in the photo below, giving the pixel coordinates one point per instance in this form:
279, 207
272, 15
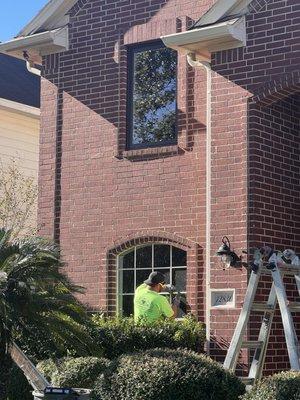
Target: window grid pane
141, 272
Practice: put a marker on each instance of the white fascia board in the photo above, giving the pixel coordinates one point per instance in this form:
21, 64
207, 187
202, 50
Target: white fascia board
38, 45
53, 15
209, 39
20, 108
223, 8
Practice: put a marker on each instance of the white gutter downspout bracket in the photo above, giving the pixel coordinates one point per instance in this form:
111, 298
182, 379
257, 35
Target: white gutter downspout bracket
191, 58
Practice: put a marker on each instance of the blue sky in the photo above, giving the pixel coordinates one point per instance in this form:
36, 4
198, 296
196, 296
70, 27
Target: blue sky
15, 14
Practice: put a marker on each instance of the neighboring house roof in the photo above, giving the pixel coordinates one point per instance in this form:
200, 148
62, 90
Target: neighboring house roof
17, 84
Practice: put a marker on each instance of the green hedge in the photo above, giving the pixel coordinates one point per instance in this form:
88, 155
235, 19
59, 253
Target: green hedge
282, 386
166, 374
117, 336
78, 372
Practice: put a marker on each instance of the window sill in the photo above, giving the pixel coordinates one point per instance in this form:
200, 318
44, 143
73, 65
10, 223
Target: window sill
150, 152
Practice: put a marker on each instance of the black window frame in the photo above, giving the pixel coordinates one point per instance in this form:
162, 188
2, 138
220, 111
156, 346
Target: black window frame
131, 50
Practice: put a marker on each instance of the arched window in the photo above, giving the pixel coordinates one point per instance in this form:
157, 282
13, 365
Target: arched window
136, 265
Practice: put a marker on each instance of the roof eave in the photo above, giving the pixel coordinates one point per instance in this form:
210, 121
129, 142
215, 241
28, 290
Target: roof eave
222, 9
53, 15
207, 40
38, 45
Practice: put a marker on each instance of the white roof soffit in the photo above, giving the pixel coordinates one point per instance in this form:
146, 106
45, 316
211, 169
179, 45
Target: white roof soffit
224, 8
209, 39
37, 45
52, 16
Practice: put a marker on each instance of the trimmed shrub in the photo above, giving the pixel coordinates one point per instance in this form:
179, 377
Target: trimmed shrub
282, 386
48, 368
117, 336
73, 372
166, 375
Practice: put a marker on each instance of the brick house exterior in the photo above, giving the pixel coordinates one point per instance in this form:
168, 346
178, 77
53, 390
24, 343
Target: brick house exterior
98, 199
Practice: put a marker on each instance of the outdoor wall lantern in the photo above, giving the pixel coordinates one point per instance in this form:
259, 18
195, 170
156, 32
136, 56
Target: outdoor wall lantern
228, 257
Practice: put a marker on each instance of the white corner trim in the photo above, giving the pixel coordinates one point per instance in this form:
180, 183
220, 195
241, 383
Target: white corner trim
20, 108
51, 16
38, 45
223, 8
204, 41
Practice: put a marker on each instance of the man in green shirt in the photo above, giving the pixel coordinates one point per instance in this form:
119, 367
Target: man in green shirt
149, 305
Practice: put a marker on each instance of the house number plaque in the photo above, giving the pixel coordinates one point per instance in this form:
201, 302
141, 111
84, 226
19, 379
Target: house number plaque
222, 298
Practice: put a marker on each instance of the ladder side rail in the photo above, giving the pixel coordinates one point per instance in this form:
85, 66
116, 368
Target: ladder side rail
297, 277
237, 339
258, 361
34, 377
287, 320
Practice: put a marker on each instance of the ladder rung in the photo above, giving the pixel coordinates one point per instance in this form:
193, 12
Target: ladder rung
294, 306
247, 381
251, 344
262, 307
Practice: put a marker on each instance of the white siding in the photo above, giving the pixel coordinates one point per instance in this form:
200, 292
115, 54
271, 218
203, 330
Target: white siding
19, 138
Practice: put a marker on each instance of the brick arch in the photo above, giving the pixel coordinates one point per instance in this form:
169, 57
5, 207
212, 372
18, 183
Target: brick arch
195, 264
144, 237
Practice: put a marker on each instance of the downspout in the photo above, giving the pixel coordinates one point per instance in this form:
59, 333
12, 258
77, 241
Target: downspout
191, 58
30, 65
32, 69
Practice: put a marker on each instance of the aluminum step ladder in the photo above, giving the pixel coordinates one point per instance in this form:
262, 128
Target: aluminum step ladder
277, 268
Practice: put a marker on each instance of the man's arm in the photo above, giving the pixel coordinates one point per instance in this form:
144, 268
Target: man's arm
168, 310
175, 309
175, 305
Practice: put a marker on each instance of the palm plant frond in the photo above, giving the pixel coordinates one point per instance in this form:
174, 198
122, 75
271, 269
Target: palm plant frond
35, 293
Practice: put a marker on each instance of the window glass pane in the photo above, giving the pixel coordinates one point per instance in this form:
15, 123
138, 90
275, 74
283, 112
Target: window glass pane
127, 261
144, 257
154, 96
128, 281
127, 306
179, 279
161, 256
142, 275
178, 257
166, 273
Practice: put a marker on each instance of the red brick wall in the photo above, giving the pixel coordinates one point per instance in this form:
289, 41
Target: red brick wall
263, 72
97, 199
94, 194
274, 213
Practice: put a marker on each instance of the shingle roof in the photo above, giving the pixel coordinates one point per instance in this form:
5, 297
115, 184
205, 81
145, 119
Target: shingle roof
16, 83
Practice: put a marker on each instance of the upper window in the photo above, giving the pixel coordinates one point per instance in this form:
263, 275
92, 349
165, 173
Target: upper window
152, 96
136, 265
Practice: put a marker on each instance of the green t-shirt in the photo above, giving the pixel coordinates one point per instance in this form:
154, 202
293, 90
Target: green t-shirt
150, 306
